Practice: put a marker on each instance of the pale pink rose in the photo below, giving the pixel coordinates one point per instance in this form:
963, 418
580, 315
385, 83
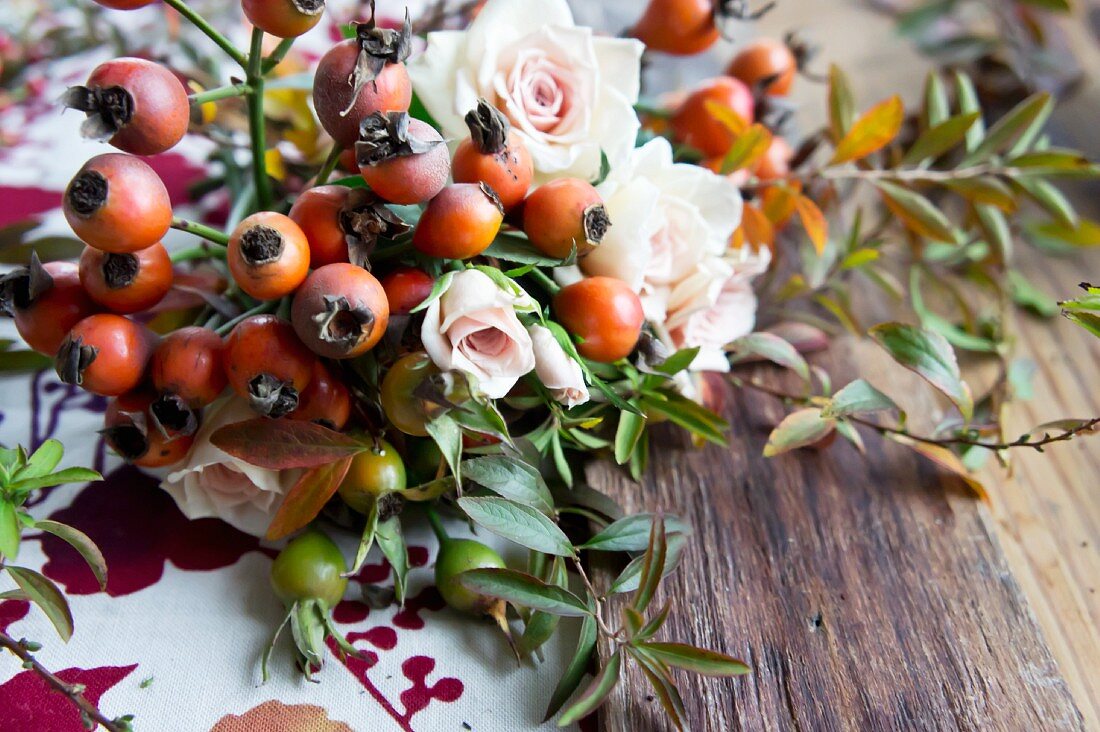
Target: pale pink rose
473, 328
568, 93
556, 369
211, 483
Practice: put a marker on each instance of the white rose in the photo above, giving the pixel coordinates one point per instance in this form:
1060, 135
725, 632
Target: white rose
473, 328
557, 371
669, 220
568, 94
716, 306
211, 483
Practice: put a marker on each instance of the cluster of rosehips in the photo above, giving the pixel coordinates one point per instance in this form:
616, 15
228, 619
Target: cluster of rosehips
318, 254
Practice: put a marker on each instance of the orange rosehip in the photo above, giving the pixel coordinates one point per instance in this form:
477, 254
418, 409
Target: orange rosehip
605, 313
403, 160
268, 365
105, 354
326, 401
284, 18
494, 155
46, 301
461, 222
340, 311
268, 255
406, 288
768, 64
563, 214
189, 364
695, 125
678, 27
133, 431
117, 203
126, 283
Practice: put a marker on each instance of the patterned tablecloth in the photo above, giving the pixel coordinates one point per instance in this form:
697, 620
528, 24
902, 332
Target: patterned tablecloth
176, 638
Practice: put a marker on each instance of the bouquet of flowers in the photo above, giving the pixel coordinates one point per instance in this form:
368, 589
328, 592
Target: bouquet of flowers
453, 270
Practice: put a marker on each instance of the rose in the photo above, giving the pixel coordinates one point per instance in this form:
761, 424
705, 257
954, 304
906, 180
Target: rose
672, 221
568, 94
211, 483
472, 327
558, 372
716, 306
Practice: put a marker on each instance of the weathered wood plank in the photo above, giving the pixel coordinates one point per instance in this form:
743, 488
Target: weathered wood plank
865, 594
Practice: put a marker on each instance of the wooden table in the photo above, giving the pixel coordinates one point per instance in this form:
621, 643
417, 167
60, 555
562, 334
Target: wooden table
876, 593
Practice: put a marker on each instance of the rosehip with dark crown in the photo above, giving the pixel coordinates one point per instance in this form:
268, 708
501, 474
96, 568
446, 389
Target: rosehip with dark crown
376, 477
605, 313
46, 301
105, 354
284, 18
403, 160
134, 432
495, 155
267, 364
188, 364
340, 311
117, 203
268, 255
564, 214
126, 283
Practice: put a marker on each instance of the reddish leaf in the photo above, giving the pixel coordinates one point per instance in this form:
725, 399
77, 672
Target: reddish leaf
284, 444
308, 496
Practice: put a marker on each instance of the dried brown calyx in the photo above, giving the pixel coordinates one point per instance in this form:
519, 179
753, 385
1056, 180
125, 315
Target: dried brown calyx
384, 136
21, 287
120, 270
377, 47
729, 12
309, 7
492, 196
173, 416
72, 359
488, 128
343, 325
128, 440
596, 223
365, 219
261, 245
109, 109
271, 396
390, 505
88, 192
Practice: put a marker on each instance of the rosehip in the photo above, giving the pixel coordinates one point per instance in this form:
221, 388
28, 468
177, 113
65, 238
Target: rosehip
189, 365
138, 106
344, 224
605, 313
117, 203
767, 64
132, 430
695, 125
46, 300
461, 222
374, 477
462, 555
361, 76
776, 162
125, 4
268, 255
679, 27
283, 18
126, 283
406, 288
340, 311
326, 401
406, 411
105, 354
268, 365
563, 214
494, 155
311, 567
403, 160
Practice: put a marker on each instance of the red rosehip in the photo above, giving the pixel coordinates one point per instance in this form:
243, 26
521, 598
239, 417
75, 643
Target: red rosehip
284, 18
126, 283
678, 27
133, 431
117, 203
461, 222
494, 155
767, 63
406, 288
695, 125
268, 365
46, 300
563, 214
340, 311
605, 313
403, 160
105, 354
326, 401
189, 364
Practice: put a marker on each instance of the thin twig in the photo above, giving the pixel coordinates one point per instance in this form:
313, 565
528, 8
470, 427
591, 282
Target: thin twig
72, 691
257, 125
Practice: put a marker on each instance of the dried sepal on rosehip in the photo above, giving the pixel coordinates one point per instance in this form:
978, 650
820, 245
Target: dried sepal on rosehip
494, 155
117, 203
268, 255
461, 222
402, 159
341, 311
188, 365
308, 576
361, 76
138, 106
105, 354
344, 224
284, 18
129, 282
375, 481
134, 431
46, 301
267, 364
565, 215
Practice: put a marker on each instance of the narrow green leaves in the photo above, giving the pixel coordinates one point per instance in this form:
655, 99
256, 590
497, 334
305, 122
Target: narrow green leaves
44, 593
596, 693
631, 534
858, 397
391, 540
574, 672
511, 478
517, 523
82, 543
929, 355
10, 530
629, 431
697, 660
524, 590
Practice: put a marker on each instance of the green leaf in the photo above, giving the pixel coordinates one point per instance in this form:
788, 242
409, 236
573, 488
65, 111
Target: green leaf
448, 437
538, 629
1021, 124
996, 229
61, 477
929, 355
511, 478
773, 348
653, 563
858, 397
629, 431
696, 660
1052, 200
747, 149
524, 590
42, 462
937, 140
677, 362
660, 680
519, 249
560, 461
441, 285
916, 211
937, 107
46, 596
596, 693
631, 533
798, 429
691, 416
574, 672
1028, 296
366, 540
1085, 234
630, 578
82, 543
10, 530
391, 540
968, 103
517, 523
842, 106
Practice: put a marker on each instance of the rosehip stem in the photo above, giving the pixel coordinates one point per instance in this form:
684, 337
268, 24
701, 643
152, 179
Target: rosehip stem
256, 123
205, 252
277, 55
437, 526
264, 307
543, 279
212, 33
330, 165
225, 92
205, 232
